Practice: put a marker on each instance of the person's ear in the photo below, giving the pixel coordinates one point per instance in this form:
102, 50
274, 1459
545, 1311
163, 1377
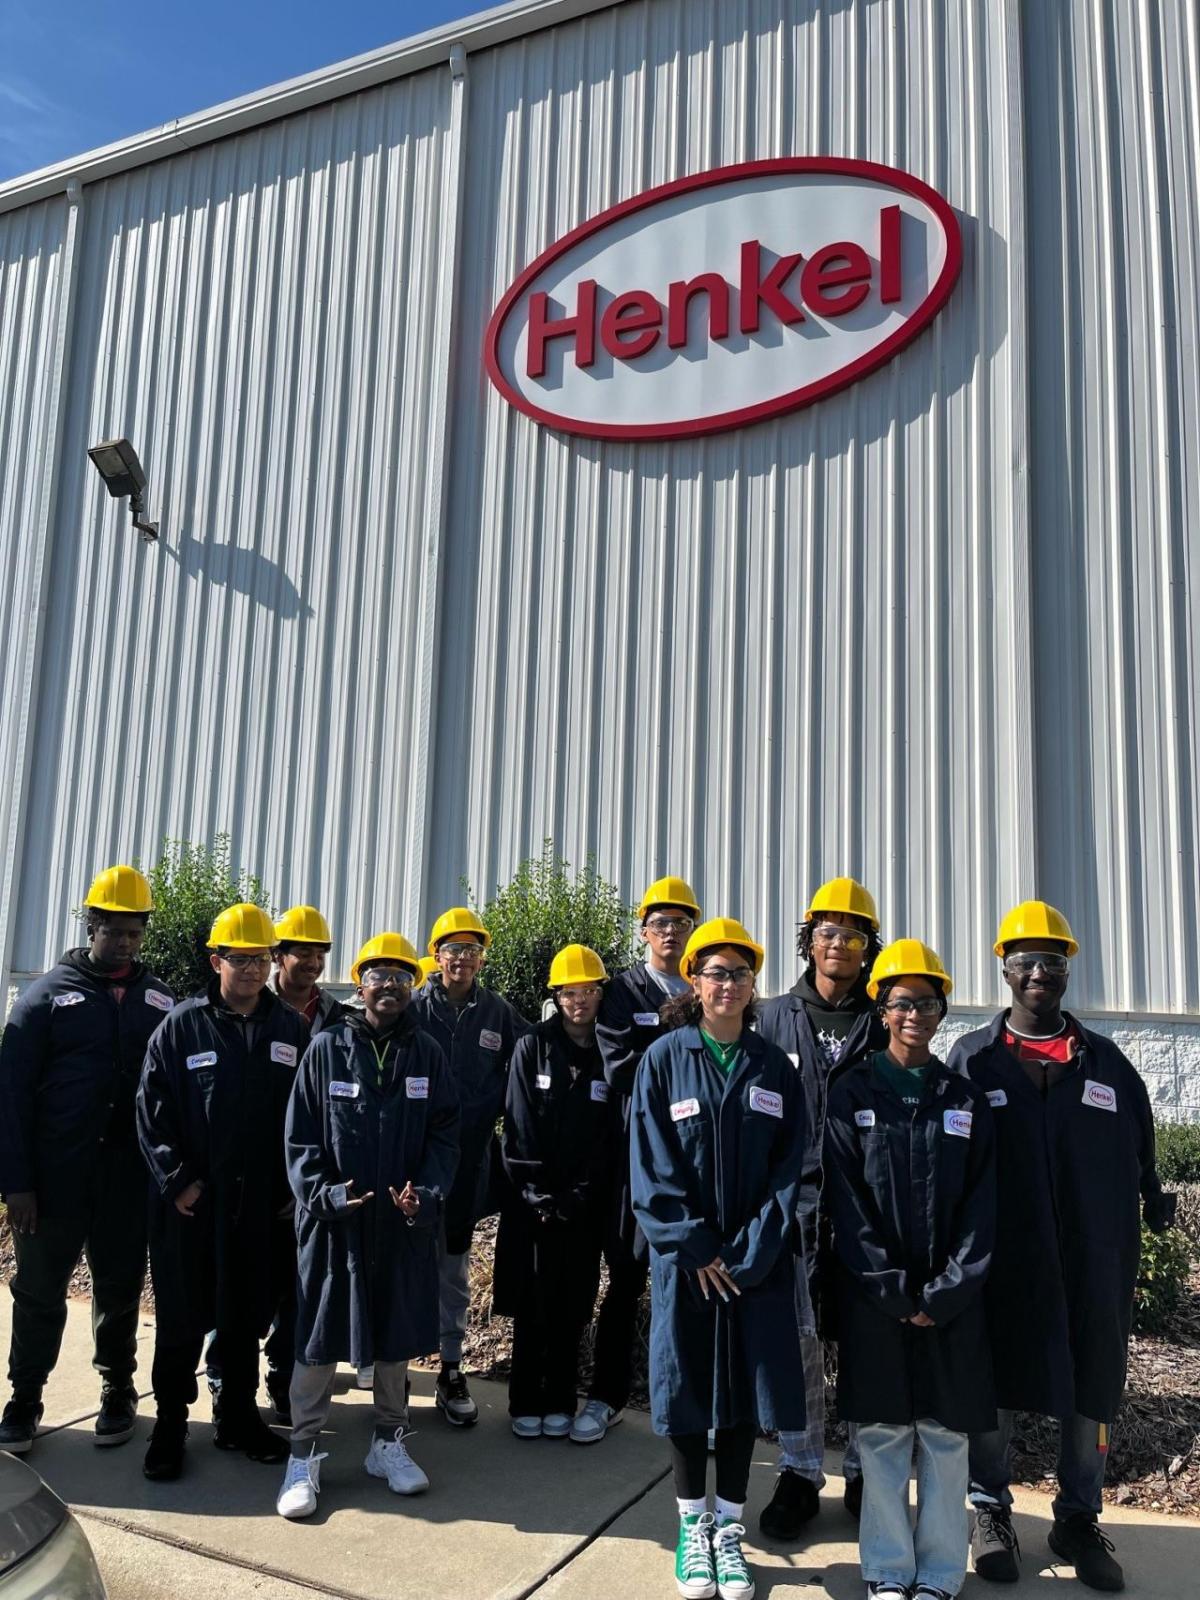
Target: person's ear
214, 961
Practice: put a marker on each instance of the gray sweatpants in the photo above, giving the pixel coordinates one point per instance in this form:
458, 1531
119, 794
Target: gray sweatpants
312, 1397
454, 1299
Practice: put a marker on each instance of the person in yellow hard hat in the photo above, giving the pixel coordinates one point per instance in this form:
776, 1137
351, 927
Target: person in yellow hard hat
1075, 1161
557, 1147
826, 1024
69, 1166
304, 942
910, 1184
210, 1113
478, 1031
717, 1143
628, 1024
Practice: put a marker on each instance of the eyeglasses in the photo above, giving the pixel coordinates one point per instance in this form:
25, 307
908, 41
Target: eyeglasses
459, 950
929, 1006
722, 975
580, 992
669, 924
831, 933
385, 978
246, 963
1027, 961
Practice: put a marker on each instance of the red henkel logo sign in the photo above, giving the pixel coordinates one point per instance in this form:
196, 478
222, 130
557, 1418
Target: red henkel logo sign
724, 298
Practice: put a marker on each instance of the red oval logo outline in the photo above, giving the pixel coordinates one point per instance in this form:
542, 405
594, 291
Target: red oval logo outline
836, 166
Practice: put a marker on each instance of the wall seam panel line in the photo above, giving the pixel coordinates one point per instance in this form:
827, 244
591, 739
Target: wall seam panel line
18, 777
438, 499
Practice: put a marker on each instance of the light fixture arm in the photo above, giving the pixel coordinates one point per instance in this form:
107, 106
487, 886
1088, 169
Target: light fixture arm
137, 510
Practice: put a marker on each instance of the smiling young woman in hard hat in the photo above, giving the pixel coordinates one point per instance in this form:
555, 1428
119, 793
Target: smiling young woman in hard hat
372, 1142
628, 1024
69, 1167
557, 1147
717, 1147
1074, 1156
210, 1122
910, 1185
826, 1023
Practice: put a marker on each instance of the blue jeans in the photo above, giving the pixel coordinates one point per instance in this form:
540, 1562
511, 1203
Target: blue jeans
889, 1548
1080, 1466
803, 1451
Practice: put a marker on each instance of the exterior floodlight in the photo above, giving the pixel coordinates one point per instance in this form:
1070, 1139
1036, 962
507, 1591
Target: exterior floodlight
117, 463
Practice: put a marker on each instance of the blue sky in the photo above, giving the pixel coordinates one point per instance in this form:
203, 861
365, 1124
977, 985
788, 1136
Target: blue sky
74, 75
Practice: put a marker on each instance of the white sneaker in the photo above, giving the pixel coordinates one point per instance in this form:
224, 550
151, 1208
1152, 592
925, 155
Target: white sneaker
557, 1425
389, 1458
364, 1378
297, 1496
594, 1421
527, 1427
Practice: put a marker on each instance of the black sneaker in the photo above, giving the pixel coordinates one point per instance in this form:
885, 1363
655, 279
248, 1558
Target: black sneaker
453, 1398
164, 1455
19, 1425
279, 1391
1079, 1541
118, 1414
794, 1503
852, 1497
994, 1545
243, 1429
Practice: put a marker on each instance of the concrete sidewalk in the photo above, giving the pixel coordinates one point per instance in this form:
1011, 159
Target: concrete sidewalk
504, 1519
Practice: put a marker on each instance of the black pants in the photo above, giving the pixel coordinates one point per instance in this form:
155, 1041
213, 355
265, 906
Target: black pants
616, 1328
110, 1234
545, 1360
177, 1355
735, 1449
279, 1349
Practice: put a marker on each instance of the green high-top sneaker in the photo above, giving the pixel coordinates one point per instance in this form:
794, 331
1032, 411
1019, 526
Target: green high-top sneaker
695, 1570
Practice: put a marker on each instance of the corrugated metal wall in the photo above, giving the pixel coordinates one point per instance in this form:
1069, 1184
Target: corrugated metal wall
935, 630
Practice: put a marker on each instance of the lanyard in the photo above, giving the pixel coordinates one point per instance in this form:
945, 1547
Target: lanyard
380, 1059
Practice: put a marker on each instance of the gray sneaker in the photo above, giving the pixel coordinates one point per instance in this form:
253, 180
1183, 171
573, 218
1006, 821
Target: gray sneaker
994, 1545
594, 1421
453, 1398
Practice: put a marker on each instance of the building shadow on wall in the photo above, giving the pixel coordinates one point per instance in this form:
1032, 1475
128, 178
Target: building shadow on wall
246, 571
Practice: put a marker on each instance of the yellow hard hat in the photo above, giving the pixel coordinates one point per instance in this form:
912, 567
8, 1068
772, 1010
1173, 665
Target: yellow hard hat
846, 895
716, 931
576, 963
120, 889
908, 958
668, 892
386, 947
303, 925
1034, 919
428, 966
242, 927
459, 919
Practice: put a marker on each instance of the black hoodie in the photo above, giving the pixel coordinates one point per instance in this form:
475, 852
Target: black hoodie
69, 1066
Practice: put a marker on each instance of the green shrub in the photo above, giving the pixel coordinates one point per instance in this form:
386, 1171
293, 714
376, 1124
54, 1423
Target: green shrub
191, 883
1177, 1149
545, 906
1162, 1279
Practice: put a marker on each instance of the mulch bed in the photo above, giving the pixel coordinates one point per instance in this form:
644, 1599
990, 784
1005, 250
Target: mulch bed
1154, 1462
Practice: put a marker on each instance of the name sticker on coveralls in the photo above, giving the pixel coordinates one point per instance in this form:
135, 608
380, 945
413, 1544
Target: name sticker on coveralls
285, 1053
161, 1001
599, 1090
864, 1119
342, 1091
957, 1122
489, 1040
646, 1019
71, 998
766, 1101
542, 1081
682, 1109
206, 1058
997, 1097
1099, 1095
417, 1088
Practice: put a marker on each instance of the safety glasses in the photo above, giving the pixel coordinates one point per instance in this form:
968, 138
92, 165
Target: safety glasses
669, 925
1052, 963
927, 1006
459, 951
242, 963
385, 978
738, 977
831, 933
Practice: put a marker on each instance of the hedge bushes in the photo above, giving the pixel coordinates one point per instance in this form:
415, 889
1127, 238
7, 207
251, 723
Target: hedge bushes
191, 884
1177, 1148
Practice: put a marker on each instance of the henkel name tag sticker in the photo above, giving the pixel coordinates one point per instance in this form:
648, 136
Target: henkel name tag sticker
864, 1119
682, 1109
958, 1123
794, 1059
542, 1081
285, 1053
417, 1088
766, 1101
1099, 1095
997, 1097
205, 1058
159, 1000
342, 1091
489, 1040
71, 998
599, 1090
646, 1019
